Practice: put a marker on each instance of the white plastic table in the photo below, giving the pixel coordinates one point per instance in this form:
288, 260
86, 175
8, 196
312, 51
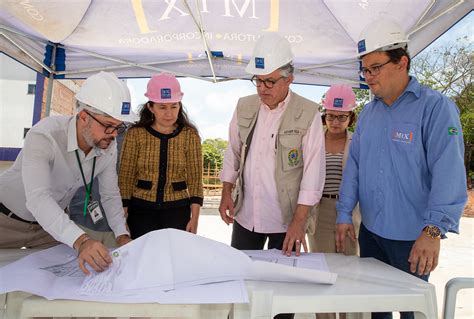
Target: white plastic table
23, 305
364, 285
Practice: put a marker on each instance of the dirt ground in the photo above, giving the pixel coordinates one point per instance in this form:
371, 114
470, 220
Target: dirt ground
469, 210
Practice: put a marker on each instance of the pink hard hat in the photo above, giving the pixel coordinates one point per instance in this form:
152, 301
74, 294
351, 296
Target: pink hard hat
340, 97
164, 88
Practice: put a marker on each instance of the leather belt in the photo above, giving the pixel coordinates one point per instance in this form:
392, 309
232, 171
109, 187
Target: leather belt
335, 196
6, 211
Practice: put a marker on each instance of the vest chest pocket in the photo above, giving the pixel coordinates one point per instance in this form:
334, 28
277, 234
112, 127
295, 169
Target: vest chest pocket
291, 151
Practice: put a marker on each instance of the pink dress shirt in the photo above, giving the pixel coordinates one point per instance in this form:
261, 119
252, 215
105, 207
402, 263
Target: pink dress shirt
261, 209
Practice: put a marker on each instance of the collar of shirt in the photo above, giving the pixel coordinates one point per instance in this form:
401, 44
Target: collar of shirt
72, 140
413, 87
281, 106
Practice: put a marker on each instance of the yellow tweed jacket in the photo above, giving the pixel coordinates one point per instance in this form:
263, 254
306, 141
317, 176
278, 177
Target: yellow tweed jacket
161, 170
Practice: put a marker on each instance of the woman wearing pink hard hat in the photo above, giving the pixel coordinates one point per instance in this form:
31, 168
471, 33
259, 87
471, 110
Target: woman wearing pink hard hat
161, 165
338, 115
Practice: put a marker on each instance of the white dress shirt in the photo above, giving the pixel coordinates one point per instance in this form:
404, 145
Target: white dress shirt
260, 209
46, 175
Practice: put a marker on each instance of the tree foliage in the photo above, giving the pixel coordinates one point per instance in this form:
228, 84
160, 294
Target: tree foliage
449, 69
213, 153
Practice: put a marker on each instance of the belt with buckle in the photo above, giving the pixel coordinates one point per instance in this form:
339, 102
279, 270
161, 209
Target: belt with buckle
335, 196
6, 211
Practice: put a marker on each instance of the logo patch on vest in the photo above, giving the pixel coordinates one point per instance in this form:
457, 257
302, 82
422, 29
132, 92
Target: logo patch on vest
259, 63
166, 93
293, 157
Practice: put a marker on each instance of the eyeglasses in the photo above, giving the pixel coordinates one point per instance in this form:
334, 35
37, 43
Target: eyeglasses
372, 70
332, 117
110, 129
268, 83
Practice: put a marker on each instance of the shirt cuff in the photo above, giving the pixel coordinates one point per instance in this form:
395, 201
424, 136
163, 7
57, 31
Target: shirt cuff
344, 218
309, 198
125, 202
197, 200
120, 230
229, 176
73, 233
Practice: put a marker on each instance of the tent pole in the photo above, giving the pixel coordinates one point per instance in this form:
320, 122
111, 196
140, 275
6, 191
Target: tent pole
50, 82
203, 36
418, 27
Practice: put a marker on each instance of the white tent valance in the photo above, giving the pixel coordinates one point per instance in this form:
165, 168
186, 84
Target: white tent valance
209, 39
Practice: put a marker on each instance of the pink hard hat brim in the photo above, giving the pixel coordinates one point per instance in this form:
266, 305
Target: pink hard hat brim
174, 98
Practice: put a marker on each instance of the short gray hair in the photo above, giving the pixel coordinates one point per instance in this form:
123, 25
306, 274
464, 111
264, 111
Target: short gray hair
287, 70
83, 106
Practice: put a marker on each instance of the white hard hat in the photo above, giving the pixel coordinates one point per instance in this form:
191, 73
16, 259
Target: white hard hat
106, 93
381, 35
271, 52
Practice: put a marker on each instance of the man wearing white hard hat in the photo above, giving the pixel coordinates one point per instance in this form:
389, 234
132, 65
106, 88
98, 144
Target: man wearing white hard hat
61, 154
405, 164
274, 163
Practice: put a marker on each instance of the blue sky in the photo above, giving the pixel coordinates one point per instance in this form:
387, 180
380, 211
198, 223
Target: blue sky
210, 105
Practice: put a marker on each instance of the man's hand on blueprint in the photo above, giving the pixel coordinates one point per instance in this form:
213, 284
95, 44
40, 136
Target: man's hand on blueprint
295, 238
95, 254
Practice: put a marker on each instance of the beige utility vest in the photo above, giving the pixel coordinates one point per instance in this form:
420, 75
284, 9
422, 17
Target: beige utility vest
295, 122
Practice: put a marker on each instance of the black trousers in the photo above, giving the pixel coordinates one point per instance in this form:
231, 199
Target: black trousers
244, 239
142, 221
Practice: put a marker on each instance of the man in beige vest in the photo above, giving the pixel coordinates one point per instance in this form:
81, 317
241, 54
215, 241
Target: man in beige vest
274, 165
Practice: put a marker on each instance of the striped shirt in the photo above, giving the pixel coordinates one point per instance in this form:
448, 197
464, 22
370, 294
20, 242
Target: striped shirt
333, 173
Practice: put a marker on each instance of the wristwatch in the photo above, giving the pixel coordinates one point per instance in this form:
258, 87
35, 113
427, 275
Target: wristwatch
432, 231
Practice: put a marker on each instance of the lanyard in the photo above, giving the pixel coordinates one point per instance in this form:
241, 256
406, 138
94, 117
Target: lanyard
88, 187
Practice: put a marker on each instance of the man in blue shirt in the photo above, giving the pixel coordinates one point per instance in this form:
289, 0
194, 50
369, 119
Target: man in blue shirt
405, 164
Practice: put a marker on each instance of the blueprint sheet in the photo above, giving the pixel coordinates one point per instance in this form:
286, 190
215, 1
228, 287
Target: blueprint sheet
166, 266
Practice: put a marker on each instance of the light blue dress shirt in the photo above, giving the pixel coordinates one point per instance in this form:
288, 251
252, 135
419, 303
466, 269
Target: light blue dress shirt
406, 166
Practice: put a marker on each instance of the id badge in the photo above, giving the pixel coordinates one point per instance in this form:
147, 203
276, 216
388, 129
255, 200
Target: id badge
94, 211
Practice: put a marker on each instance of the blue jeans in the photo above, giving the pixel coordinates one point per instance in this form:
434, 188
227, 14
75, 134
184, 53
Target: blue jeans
392, 252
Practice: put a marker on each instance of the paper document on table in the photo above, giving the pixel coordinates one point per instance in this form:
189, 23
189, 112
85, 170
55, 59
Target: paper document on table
54, 274
315, 261
168, 259
161, 265
272, 265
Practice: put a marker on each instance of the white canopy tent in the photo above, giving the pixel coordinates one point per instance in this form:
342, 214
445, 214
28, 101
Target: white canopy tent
207, 39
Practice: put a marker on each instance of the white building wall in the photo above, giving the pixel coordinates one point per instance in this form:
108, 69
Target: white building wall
16, 105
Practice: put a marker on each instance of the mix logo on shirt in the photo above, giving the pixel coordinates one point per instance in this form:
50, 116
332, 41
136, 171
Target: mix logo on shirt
402, 136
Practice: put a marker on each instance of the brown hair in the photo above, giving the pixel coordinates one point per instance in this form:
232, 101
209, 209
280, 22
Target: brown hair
147, 118
396, 54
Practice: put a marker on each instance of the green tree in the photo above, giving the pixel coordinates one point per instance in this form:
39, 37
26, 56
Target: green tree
213, 152
465, 102
449, 70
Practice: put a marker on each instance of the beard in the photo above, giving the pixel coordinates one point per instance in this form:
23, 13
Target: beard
94, 143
